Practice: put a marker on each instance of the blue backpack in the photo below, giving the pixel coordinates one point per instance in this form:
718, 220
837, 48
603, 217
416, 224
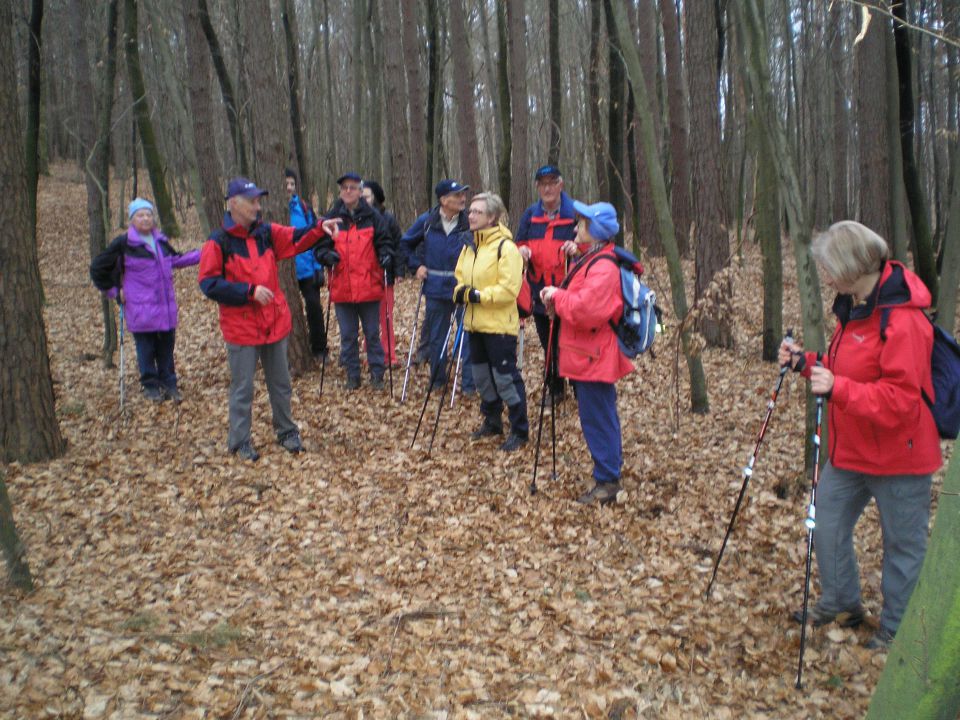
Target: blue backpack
945, 373
636, 328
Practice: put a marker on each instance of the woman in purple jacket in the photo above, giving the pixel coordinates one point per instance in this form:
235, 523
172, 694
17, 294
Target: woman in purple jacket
137, 269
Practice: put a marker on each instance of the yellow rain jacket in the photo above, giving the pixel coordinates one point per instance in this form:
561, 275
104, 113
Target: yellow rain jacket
492, 265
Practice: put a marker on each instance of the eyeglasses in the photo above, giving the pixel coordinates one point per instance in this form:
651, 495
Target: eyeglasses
549, 181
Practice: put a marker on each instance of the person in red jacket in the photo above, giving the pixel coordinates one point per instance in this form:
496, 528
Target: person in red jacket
882, 440
589, 355
238, 269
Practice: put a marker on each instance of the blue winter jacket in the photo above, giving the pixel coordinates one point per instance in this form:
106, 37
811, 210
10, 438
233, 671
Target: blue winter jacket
426, 243
301, 216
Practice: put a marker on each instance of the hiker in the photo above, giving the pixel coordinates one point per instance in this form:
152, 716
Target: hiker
882, 439
374, 195
357, 259
546, 238
582, 308
137, 270
309, 270
432, 246
489, 274
238, 269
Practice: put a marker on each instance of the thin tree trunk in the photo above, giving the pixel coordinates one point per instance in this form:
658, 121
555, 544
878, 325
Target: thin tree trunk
18, 571
201, 115
593, 87
289, 19
433, 88
357, 84
328, 91
270, 133
519, 108
841, 123
28, 418
874, 184
768, 236
680, 201
645, 216
950, 269
402, 192
416, 105
151, 151
503, 88
556, 89
463, 93
898, 211
32, 139
699, 402
615, 134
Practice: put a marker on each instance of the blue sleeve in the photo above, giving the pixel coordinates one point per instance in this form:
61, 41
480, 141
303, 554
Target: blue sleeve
412, 241
523, 230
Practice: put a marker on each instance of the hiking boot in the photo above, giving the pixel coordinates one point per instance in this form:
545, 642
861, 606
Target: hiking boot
291, 442
153, 394
486, 430
376, 382
353, 383
819, 618
246, 451
881, 640
513, 442
173, 394
601, 493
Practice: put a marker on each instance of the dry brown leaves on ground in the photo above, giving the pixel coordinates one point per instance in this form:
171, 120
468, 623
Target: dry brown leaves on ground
366, 579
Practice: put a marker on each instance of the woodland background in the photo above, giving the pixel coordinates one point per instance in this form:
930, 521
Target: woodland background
365, 578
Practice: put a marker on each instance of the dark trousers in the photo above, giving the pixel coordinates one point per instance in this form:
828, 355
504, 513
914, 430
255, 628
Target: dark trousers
499, 381
436, 322
155, 359
597, 405
350, 316
310, 290
543, 332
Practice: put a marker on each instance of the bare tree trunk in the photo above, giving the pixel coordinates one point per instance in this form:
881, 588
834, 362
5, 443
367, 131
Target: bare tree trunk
874, 173
201, 114
18, 571
357, 84
767, 201
289, 18
465, 101
270, 133
416, 104
898, 211
841, 117
593, 87
28, 418
519, 108
950, 270
402, 192
680, 201
712, 241
151, 152
32, 139
699, 402
503, 88
645, 216
433, 88
556, 89
615, 134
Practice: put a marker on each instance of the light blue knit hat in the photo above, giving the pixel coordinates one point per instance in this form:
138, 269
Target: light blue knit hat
139, 204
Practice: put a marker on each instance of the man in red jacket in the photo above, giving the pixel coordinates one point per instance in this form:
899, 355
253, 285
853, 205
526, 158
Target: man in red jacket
238, 269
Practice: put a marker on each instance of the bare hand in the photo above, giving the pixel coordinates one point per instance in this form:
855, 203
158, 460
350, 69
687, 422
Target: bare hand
787, 353
422, 272
821, 380
331, 226
524, 252
263, 295
546, 297
569, 248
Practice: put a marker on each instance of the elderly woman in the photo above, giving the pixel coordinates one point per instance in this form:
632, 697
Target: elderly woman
883, 442
589, 354
489, 276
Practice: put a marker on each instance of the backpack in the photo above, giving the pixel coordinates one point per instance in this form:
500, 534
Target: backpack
945, 374
636, 328
525, 297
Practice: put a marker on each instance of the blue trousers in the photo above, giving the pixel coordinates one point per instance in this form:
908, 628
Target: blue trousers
499, 381
436, 322
350, 316
155, 359
597, 405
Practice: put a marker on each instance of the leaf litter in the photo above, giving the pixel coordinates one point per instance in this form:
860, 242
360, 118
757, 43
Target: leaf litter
365, 579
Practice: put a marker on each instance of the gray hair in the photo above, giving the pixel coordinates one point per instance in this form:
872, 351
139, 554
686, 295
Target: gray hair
848, 250
494, 205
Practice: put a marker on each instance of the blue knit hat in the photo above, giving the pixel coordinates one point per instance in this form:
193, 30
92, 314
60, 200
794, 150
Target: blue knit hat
139, 204
602, 217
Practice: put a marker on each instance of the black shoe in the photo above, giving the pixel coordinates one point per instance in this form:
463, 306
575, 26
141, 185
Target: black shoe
173, 394
486, 430
246, 451
353, 383
601, 493
153, 394
513, 442
881, 640
376, 382
819, 618
291, 442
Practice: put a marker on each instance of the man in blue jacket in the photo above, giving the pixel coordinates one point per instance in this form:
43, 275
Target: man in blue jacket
432, 246
309, 271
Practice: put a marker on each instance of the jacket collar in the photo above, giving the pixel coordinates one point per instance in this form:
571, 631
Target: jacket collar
897, 286
565, 210
230, 226
362, 212
133, 237
436, 220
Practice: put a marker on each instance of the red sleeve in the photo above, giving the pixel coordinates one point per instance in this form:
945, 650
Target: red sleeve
595, 301
289, 241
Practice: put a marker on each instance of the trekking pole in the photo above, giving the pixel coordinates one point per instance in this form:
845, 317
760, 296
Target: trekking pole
811, 523
458, 349
543, 405
413, 339
389, 312
433, 375
326, 332
458, 339
520, 344
748, 470
122, 387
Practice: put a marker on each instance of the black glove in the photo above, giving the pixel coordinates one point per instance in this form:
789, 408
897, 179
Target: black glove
318, 277
388, 275
466, 294
330, 258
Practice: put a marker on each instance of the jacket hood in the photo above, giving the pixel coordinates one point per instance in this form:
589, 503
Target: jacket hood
488, 235
363, 212
234, 228
897, 287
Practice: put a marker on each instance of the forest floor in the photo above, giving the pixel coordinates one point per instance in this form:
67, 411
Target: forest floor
368, 579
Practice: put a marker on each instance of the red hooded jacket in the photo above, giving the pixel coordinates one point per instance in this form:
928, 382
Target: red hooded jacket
878, 421
591, 298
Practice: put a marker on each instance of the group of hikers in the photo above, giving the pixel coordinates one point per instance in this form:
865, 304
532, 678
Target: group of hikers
883, 442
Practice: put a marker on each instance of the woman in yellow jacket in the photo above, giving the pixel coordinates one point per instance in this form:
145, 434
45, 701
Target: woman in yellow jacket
489, 273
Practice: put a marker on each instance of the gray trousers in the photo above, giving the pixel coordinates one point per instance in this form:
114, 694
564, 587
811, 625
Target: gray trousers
904, 504
276, 372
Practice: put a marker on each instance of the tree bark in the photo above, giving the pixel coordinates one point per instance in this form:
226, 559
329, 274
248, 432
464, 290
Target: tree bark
270, 133
712, 246
556, 89
874, 160
151, 151
402, 191
699, 402
289, 19
898, 211
593, 88
950, 269
18, 571
32, 139
415, 105
841, 117
919, 679
198, 86
767, 200
615, 134
680, 201
357, 85
433, 89
519, 108
503, 88
464, 95
28, 420
645, 216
